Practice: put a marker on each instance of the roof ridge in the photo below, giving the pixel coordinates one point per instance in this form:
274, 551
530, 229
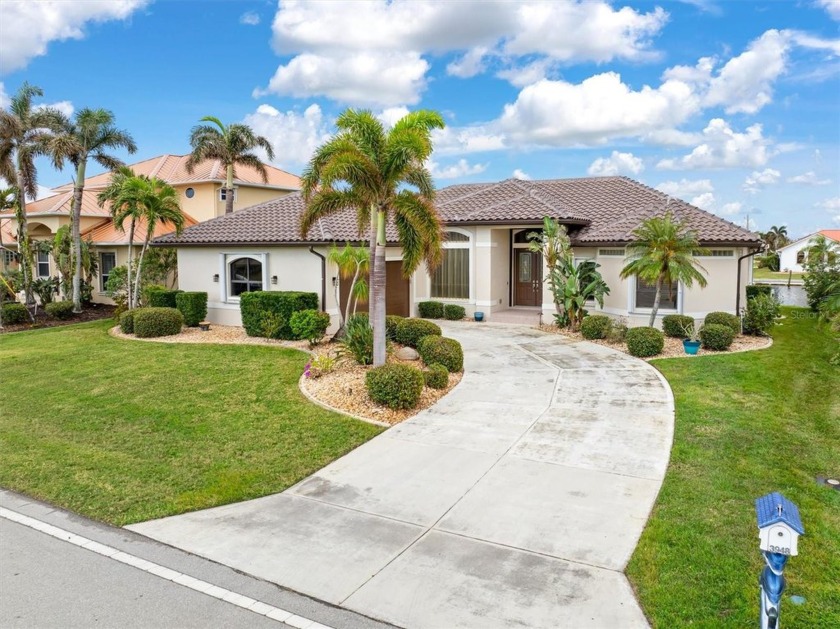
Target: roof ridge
158, 166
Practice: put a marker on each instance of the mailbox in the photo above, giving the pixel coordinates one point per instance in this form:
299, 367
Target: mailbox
779, 525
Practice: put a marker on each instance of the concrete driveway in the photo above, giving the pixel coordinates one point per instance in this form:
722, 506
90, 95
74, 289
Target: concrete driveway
515, 502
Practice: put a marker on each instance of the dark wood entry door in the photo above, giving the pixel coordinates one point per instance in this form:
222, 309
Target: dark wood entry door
396, 292
527, 278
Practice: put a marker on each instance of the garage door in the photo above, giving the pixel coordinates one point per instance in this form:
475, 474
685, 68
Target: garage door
396, 293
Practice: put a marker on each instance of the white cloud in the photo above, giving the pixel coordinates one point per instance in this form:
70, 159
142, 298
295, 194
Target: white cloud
705, 201
832, 7
29, 27
815, 43
723, 147
809, 179
43, 192
523, 75
684, 188
830, 204
521, 174
728, 209
472, 63
616, 164
4, 98
249, 18
475, 139
461, 168
64, 106
758, 180
294, 136
390, 115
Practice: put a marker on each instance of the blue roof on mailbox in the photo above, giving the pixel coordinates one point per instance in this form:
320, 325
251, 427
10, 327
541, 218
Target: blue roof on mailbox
768, 511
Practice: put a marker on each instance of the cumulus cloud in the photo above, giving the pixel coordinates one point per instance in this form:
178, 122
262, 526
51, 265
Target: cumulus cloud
521, 174
616, 164
294, 136
830, 204
758, 180
29, 27
249, 18
685, 188
461, 168
390, 115
723, 147
705, 201
474, 139
832, 7
4, 98
470, 64
728, 209
809, 179
64, 106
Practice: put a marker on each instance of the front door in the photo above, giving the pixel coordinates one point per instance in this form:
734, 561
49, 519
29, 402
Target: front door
527, 278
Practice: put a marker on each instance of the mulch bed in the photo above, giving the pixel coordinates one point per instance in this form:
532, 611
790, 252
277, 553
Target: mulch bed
92, 312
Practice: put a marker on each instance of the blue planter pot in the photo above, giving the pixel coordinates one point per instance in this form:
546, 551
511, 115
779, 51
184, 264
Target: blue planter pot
479, 316
691, 347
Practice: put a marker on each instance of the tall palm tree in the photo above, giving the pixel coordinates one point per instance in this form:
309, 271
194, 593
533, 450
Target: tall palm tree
366, 168
124, 206
232, 145
663, 252
90, 136
25, 133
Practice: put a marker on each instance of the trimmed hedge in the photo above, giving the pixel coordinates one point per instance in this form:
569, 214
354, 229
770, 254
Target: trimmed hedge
716, 336
254, 306
193, 305
644, 342
595, 327
391, 323
62, 310
310, 325
410, 331
454, 312
14, 313
395, 386
165, 298
430, 309
127, 321
676, 325
754, 290
442, 351
154, 322
724, 318
437, 377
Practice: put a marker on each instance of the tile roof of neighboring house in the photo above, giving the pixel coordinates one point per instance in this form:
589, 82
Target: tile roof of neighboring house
834, 234
7, 235
608, 209
107, 234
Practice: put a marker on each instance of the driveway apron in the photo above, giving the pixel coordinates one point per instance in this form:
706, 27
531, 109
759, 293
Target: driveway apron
516, 501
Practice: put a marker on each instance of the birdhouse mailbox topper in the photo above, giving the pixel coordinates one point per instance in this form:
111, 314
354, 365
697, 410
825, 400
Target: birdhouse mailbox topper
779, 525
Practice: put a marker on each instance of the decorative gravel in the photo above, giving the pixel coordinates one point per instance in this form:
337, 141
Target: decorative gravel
217, 334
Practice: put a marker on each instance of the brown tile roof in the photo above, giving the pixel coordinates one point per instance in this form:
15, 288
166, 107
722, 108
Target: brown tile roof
607, 209
7, 234
107, 233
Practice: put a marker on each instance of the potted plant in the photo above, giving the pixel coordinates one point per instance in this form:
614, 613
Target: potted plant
692, 341
478, 316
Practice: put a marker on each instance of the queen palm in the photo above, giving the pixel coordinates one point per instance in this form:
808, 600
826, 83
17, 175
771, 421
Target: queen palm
662, 252
25, 133
232, 145
381, 175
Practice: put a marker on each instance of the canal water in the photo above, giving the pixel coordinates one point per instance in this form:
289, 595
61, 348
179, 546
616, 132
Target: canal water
790, 295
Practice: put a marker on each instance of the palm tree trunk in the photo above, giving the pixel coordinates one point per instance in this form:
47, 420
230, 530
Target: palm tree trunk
378, 301
76, 227
140, 268
128, 266
350, 297
229, 191
24, 251
655, 308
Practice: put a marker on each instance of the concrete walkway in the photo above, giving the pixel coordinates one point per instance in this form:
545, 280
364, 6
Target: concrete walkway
515, 502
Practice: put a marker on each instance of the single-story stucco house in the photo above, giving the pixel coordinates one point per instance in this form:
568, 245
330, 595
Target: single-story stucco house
487, 264
792, 257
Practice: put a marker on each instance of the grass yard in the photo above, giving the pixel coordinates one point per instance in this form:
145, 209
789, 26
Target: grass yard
124, 431
747, 424
767, 274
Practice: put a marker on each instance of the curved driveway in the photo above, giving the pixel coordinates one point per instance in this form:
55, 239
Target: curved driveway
516, 501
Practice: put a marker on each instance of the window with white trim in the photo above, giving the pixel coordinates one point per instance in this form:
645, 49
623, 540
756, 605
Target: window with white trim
646, 294
43, 264
8, 256
722, 253
244, 275
223, 194
451, 280
107, 262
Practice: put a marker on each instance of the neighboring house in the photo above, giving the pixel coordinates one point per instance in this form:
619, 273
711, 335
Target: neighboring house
487, 265
201, 199
8, 246
792, 257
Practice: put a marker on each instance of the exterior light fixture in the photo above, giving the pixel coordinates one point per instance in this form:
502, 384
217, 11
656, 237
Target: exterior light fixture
216, 278
273, 279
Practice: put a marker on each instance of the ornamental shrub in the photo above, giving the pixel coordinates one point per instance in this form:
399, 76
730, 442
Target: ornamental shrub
724, 318
358, 338
754, 290
193, 305
442, 351
644, 342
454, 312
14, 313
676, 325
760, 315
127, 321
595, 327
310, 325
430, 309
716, 336
437, 377
391, 323
254, 305
394, 385
410, 331
154, 322
157, 298
617, 332
60, 309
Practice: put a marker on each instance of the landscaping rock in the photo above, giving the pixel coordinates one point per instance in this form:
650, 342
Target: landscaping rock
407, 353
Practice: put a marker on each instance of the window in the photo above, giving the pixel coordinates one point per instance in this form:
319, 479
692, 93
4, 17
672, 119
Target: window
610, 252
451, 280
43, 264
107, 262
646, 293
800, 257
8, 257
189, 192
223, 194
246, 275
721, 253
527, 235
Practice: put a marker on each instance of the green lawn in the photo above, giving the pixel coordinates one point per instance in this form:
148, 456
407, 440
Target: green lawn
746, 424
124, 431
767, 274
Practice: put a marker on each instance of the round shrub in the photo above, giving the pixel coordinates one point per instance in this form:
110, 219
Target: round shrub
430, 309
644, 342
716, 336
14, 313
676, 325
437, 377
595, 327
761, 314
410, 331
442, 351
127, 321
724, 318
395, 386
391, 323
59, 309
309, 324
158, 298
154, 322
193, 305
454, 312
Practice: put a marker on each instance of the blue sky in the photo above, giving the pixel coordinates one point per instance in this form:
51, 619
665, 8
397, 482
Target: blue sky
734, 106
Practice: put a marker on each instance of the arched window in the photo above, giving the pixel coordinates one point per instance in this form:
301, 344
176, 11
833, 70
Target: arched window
451, 280
800, 257
246, 275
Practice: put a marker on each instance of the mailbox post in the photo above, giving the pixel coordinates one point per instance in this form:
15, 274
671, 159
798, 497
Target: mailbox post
779, 528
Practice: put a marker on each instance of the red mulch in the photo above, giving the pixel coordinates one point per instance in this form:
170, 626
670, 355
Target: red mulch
92, 312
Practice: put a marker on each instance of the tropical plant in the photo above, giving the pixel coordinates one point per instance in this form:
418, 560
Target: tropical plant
122, 209
575, 286
382, 175
822, 273
358, 338
760, 314
775, 238
26, 132
63, 253
353, 264
232, 145
46, 288
554, 245
662, 252
90, 136
160, 266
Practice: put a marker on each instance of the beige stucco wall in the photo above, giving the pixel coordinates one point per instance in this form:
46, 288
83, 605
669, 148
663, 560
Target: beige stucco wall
205, 203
